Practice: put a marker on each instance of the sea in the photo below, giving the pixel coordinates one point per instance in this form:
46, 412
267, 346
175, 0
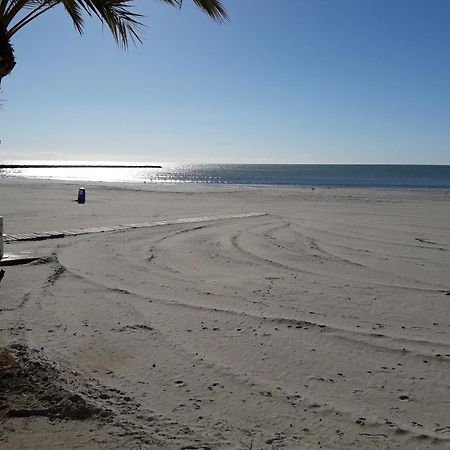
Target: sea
306, 175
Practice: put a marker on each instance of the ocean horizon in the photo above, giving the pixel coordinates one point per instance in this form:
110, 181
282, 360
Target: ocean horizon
301, 175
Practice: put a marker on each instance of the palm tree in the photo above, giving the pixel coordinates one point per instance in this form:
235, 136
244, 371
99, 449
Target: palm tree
123, 23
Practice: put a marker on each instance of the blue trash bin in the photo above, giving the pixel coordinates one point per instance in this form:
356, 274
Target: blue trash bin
81, 195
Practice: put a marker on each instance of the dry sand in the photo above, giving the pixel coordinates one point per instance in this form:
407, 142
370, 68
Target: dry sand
323, 324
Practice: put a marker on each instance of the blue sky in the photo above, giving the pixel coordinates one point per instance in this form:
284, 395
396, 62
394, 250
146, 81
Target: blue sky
286, 81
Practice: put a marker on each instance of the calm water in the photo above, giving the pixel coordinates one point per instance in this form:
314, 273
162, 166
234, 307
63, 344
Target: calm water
399, 176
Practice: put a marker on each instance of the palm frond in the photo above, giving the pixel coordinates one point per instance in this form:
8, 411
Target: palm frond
117, 15
33, 14
3, 6
25, 4
214, 8
123, 23
75, 12
17, 7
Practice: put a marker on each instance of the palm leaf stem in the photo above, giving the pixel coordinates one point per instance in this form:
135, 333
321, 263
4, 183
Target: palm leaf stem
15, 8
28, 18
3, 6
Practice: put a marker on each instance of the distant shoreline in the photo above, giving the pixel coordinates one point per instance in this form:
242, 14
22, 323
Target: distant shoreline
349, 176
75, 166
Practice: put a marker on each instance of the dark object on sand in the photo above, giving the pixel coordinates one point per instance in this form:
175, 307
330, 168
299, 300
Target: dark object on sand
2, 274
81, 195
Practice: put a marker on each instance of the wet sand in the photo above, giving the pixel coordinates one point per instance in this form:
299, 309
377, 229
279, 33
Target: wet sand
324, 323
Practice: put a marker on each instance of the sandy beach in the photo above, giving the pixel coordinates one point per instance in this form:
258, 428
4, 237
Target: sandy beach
324, 322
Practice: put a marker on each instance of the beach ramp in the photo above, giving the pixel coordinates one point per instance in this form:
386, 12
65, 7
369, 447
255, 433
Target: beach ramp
39, 236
